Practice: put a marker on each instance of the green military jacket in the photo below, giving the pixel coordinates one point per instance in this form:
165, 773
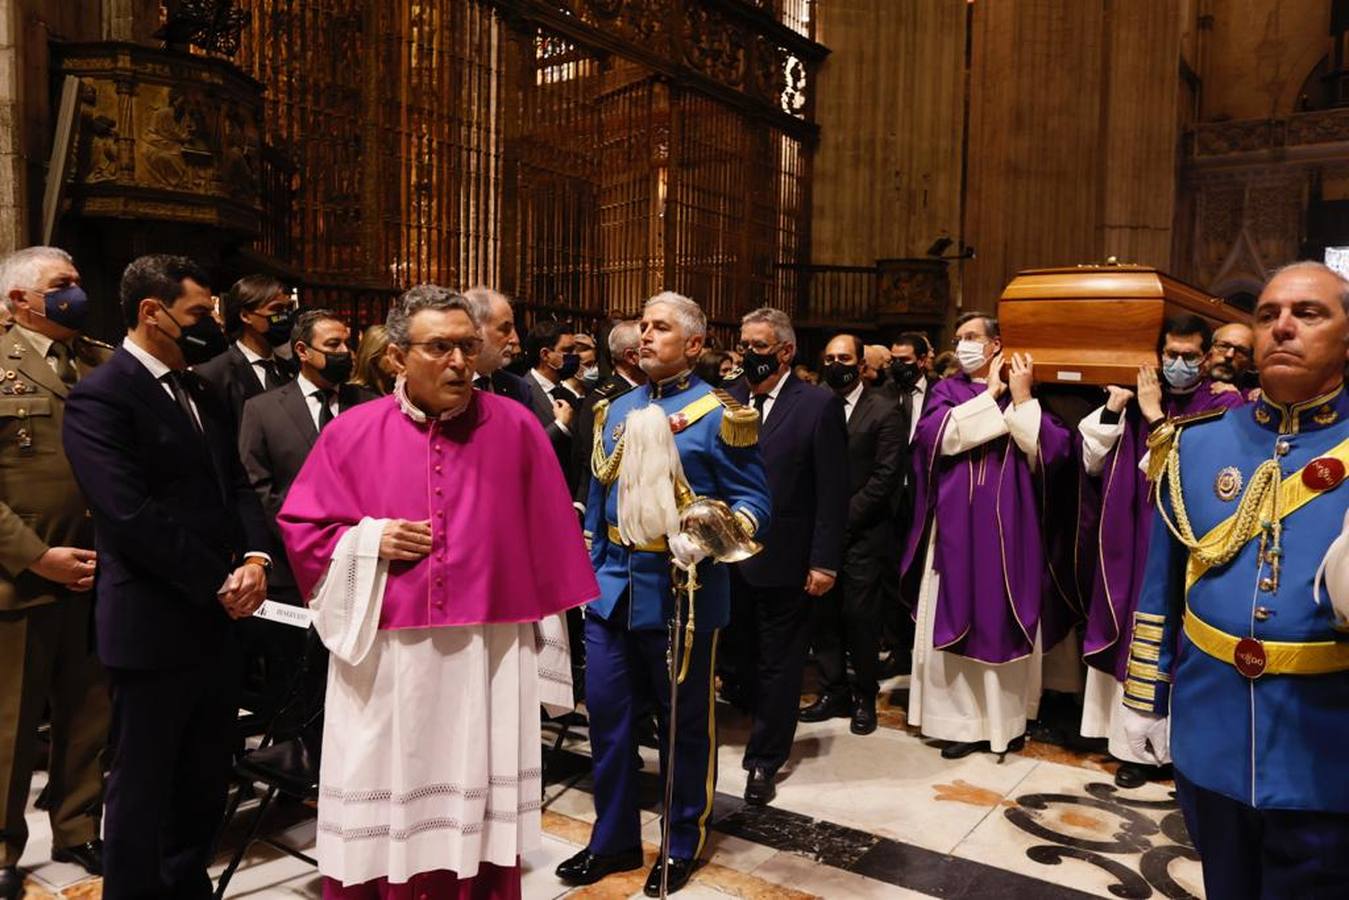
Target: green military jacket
40, 504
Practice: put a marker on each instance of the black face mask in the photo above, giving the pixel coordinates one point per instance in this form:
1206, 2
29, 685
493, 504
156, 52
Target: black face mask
337, 367
279, 326
839, 376
200, 341
571, 364
759, 366
906, 374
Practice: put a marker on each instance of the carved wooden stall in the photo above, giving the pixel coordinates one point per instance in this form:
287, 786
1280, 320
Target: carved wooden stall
579, 154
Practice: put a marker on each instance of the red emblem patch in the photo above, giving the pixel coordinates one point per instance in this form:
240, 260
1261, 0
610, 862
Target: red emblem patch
1323, 473
1250, 658
678, 422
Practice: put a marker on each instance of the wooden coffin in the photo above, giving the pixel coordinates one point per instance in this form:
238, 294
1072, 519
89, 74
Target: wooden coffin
1097, 324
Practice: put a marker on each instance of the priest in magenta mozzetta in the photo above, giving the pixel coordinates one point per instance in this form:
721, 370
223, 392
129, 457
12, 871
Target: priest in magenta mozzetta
433, 535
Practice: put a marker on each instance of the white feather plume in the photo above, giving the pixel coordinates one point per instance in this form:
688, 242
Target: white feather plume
647, 509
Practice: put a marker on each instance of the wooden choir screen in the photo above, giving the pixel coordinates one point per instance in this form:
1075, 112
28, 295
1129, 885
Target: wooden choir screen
388, 117
462, 142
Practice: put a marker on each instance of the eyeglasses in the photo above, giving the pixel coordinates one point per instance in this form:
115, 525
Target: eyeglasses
1172, 356
979, 338
762, 347
1223, 348
442, 348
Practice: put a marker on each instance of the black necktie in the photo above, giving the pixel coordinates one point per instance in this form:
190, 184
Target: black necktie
325, 399
270, 376
65, 369
176, 383
483, 383
759, 401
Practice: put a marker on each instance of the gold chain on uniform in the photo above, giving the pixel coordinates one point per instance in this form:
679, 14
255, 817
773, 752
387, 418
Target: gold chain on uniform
1259, 503
604, 466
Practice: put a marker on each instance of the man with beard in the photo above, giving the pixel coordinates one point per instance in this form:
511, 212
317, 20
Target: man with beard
1231, 359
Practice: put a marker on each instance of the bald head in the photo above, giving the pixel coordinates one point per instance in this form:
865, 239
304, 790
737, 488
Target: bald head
1232, 354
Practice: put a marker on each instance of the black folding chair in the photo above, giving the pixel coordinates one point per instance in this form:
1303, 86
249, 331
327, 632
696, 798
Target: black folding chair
287, 760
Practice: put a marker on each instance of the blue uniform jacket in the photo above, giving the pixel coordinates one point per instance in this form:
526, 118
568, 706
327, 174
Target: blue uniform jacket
1275, 741
712, 468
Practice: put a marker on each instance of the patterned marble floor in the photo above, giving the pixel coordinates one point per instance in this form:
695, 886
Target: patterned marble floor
855, 817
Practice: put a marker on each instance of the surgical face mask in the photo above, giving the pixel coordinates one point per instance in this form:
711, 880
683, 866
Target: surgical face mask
337, 366
67, 306
840, 376
589, 374
970, 355
201, 341
571, 363
1181, 374
758, 366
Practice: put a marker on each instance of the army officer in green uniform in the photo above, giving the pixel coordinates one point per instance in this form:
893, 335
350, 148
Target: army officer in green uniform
46, 568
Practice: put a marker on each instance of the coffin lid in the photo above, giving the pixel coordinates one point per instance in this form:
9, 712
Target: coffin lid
1107, 282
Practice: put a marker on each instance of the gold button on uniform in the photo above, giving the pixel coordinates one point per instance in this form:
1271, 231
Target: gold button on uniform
1262, 613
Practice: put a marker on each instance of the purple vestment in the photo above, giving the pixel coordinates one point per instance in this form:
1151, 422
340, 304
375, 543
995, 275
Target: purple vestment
506, 546
989, 548
1120, 525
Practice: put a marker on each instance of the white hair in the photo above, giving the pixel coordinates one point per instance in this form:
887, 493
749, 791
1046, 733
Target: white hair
782, 325
480, 297
687, 313
1311, 265
20, 268
647, 509
624, 336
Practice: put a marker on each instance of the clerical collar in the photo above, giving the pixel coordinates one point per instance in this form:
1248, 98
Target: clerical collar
414, 412
668, 387
1308, 415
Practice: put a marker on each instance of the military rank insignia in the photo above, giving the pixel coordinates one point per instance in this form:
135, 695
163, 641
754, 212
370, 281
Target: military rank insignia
1228, 483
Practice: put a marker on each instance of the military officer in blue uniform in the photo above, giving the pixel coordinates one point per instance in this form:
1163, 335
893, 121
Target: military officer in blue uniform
1231, 649
710, 446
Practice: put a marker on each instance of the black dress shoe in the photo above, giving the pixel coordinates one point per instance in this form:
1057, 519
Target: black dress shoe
11, 883
680, 871
87, 856
1132, 775
826, 706
863, 715
962, 749
588, 868
759, 789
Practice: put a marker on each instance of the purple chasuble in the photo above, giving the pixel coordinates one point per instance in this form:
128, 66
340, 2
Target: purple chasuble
1120, 527
506, 546
990, 549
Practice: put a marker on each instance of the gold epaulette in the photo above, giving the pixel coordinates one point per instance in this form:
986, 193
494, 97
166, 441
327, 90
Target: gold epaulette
1162, 441
739, 423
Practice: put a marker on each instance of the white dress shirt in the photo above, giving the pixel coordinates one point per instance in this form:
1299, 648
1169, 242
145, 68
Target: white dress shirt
548, 392
312, 402
157, 371
772, 398
253, 360
850, 401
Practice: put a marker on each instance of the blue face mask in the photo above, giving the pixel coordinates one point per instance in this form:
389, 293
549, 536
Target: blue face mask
1180, 374
67, 306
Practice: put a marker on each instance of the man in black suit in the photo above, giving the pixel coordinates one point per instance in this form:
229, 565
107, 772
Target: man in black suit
804, 441
550, 349
499, 341
179, 536
850, 615
624, 340
259, 312
911, 361
280, 426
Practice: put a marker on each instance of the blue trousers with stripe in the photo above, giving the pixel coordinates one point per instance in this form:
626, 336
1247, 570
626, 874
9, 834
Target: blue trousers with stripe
626, 676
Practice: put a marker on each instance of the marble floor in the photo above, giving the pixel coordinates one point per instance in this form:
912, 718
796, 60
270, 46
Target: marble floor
876, 816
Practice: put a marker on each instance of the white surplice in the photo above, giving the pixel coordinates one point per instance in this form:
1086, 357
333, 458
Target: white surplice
431, 742
952, 697
1103, 701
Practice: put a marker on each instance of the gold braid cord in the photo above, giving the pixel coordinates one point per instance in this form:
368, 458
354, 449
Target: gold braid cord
1259, 504
604, 466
